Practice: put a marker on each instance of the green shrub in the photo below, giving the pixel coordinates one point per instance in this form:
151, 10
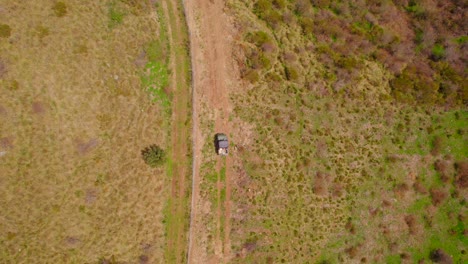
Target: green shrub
258, 38
258, 60
371, 31
416, 10
153, 155
262, 7
402, 83
272, 18
438, 52
418, 36
349, 63
60, 9
307, 25
461, 40
5, 31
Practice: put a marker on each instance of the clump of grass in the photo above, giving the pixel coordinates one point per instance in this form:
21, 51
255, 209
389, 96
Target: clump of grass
116, 15
42, 32
13, 85
5, 31
60, 9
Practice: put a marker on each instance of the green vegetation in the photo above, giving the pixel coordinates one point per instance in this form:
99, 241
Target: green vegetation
155, 82
359, 126
116, 14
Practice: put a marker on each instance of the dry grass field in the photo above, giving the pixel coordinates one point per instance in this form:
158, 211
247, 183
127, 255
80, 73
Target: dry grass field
353, 158
78, 102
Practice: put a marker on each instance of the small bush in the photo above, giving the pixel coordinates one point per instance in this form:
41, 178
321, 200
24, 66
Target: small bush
349, 63
416, 10
273, 18
5, 31
257, 60
60, 9
258, 38
307, 25
153, 155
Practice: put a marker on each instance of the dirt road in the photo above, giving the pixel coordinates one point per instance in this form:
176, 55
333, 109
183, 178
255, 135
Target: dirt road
212, 72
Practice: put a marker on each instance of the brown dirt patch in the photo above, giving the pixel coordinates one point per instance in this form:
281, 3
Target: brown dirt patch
72, 241
439, 256
7, 142
401, 190
438, 195
352, 251
84, 147
38, 107
420, 188
443, 167
412, 224
321, 183
91, 196
3, 68
141, 60
461, 179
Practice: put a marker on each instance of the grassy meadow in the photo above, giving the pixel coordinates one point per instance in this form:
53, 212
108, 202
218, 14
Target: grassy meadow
81, 94
358, 151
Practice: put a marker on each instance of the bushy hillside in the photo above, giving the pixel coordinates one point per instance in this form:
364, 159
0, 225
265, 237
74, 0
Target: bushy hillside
360, 120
